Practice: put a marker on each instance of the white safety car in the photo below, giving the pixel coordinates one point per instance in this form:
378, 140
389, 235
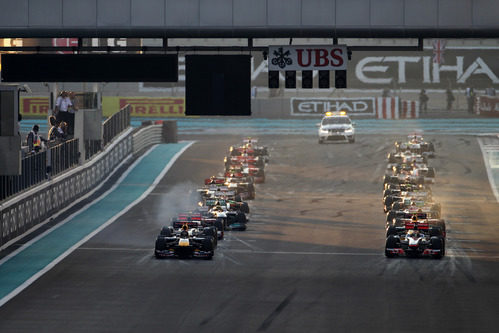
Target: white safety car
336, 126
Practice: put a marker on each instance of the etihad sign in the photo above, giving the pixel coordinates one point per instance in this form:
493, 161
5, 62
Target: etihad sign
307, 57
358, 106
370, 70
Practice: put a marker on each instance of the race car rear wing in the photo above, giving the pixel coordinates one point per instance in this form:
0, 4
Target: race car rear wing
191, 224
250, 140
224, 194
216, 180
420, 225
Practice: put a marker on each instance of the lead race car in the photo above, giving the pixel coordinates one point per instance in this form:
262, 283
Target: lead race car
417, 240
186, 242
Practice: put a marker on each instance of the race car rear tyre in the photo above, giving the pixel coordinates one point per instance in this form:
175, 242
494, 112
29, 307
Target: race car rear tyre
391, 243
241, 218
220, 227
244, 207
435, 232
390, 216
391, 231
207, 246
166, 232
211, 234
441, 225
437, 244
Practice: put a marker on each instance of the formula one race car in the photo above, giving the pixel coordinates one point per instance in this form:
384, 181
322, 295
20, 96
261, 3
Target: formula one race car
416, 240
250, 147
416, 144
186, 243
196, 219
232, 219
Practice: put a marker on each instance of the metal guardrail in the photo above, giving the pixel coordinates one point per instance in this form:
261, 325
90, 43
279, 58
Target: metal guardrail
33, 171
37, 167
34, 206
115, 124
63, 156
92, 147
146, 137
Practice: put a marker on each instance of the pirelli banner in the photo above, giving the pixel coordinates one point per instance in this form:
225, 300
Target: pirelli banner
34, 106
152, 107
38, 106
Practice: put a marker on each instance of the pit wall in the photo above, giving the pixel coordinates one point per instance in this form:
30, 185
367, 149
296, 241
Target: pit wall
32, 209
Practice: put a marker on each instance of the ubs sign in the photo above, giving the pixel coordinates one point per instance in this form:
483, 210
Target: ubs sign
308, 57
355, 106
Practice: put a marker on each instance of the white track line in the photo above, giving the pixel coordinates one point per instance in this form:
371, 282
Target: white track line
85, 239
493, 185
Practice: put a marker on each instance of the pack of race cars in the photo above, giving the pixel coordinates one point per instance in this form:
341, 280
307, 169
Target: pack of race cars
222, 205
414, 226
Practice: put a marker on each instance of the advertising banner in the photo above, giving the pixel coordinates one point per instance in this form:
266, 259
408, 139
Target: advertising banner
487, 106
307, 57
34, 106
355, 106
462, 68
145, 106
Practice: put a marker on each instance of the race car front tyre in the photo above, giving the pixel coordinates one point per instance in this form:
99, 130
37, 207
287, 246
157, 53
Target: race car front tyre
391, 243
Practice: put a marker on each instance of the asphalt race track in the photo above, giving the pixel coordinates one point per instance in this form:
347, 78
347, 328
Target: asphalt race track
311, 260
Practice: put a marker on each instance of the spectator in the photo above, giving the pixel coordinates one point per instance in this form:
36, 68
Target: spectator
62, 106
53, 131
34, 140
62, 130
450, 99
423, 101
470, 98
386, 93
71, 115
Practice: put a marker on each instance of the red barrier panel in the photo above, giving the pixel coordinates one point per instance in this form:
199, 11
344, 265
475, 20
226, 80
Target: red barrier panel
487, 106
410, 110
387, 108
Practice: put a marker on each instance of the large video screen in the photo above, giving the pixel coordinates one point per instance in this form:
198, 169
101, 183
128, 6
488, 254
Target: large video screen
218, 85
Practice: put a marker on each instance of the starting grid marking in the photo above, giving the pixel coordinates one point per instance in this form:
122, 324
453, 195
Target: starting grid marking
226, 251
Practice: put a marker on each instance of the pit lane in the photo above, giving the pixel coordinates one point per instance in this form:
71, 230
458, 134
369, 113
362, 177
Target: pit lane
312, 258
